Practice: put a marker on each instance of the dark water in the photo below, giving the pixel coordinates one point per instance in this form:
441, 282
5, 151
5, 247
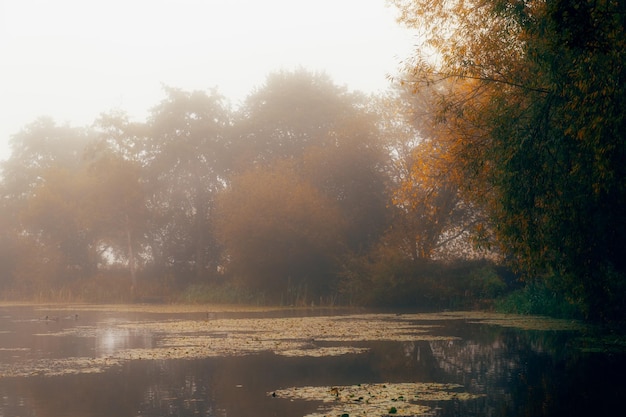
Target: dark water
522, 373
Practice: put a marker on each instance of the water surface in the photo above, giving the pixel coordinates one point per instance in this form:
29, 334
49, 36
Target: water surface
97, 362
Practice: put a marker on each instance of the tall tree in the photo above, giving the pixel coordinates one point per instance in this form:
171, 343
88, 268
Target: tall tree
187, 164
332, 139
117, 203
43, 201
534, 97
117, 161
58, 217
289, 113
39, 146
9, 241
431, 213
280, 233
432, 218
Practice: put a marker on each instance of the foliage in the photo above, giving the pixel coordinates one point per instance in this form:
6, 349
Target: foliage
431, 214
39, 147
527, 99
289, 113
539, 298
45, 220
279, 231
387, 277
114, 198
187, 162
332, 139
350, 173
261, 204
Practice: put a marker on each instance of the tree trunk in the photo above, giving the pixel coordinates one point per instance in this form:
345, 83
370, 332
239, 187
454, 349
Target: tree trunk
131, 256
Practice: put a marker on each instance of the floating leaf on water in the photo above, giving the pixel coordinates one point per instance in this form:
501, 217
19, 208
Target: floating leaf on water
290, 336
376, 399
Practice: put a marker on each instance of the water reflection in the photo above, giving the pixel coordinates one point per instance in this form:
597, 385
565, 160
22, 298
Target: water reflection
532, 373
522, 373
110, 340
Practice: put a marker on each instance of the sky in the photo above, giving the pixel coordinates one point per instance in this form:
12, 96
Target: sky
74, 59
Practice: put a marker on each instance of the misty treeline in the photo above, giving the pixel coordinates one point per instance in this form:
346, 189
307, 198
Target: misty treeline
288, 198
501, 144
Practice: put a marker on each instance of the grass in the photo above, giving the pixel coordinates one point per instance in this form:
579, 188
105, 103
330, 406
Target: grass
219, 294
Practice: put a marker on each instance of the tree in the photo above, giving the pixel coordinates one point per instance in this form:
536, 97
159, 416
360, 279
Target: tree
117, 160
532, 104
289, 113
431, 211
351, 172
118, 135
187, 164
280, 233
39, 146
43, 201
58, 217
432, 218
9, 243
117, 203
332, 139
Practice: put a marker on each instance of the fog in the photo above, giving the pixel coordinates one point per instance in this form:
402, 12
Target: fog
285, 199
232, 151
72, 60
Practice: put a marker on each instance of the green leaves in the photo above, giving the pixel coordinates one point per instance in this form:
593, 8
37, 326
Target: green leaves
535, 115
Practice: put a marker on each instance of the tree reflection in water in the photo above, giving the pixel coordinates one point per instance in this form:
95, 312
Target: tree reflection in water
532, 373
522, 373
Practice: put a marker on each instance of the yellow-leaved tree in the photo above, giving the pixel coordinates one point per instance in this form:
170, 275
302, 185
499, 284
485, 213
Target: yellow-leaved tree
529, 102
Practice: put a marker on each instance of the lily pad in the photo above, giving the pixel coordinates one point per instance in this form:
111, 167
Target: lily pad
376, 399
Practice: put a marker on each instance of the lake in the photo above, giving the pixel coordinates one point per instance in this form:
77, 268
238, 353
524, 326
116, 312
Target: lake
151, 360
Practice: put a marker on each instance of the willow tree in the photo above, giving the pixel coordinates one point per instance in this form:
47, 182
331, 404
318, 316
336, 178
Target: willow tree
434, 220
530, 103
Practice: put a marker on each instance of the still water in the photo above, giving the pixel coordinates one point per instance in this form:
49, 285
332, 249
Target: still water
99, 362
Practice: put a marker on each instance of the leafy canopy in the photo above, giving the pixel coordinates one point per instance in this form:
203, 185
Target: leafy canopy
528, 97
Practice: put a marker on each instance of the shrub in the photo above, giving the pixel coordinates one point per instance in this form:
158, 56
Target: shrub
388, 278
538, 297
